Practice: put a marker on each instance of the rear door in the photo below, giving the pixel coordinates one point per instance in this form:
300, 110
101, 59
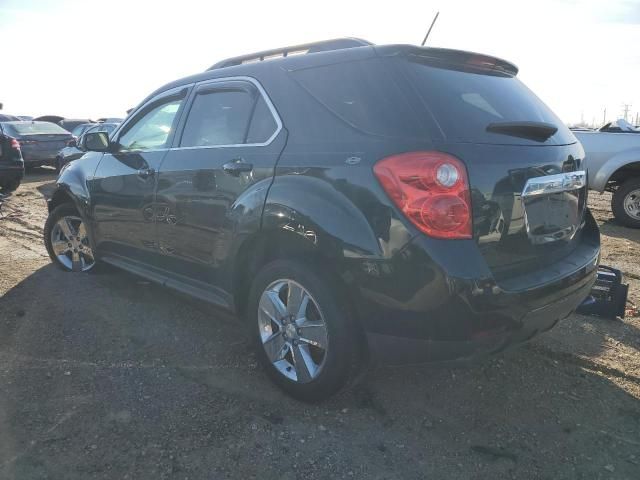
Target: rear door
123, 187
230, 140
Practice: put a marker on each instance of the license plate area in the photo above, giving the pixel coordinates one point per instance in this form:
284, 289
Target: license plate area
554, 206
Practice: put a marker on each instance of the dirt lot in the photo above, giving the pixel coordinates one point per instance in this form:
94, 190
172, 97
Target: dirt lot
107, 376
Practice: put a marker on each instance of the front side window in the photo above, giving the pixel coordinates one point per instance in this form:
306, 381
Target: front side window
219, 117
152, 130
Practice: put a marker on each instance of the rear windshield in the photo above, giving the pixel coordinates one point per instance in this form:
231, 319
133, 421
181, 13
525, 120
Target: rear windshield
464, 103
409, 97
33, 128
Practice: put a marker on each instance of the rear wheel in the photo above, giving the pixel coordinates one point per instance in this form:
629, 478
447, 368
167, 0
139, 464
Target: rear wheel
66, 239
625, 203
302, 330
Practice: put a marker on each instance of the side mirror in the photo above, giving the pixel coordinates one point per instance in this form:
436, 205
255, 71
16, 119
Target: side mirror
72, 143
97, 142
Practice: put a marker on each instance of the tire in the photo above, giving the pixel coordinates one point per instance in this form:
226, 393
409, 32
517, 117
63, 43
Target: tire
306, 371
69, 248
57, 164
10, 186
625, 203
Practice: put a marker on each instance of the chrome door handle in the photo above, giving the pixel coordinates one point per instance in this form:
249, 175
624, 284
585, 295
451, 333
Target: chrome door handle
237, 166
146, 172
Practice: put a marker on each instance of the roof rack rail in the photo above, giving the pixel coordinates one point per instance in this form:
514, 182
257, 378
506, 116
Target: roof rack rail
314, 47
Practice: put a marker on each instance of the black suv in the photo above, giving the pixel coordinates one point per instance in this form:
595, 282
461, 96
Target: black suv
393, 202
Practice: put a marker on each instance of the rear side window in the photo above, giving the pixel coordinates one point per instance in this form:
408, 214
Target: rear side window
365, 94
263, 125
464, 103
218, 117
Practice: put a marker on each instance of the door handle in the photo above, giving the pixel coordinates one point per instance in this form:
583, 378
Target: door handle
237, 166
146, 172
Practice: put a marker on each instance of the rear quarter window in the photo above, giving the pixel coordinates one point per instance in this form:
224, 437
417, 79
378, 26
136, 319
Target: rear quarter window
365, 94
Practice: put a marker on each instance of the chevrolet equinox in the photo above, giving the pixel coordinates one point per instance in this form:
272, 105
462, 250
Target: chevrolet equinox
346, 200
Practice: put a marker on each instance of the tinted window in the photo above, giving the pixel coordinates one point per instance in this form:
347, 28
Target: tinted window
33, 128
365, 94
219, 117
464, 103
152, 129
263, 125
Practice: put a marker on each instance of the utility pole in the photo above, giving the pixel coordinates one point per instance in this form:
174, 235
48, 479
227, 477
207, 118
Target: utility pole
604, 117
625, 110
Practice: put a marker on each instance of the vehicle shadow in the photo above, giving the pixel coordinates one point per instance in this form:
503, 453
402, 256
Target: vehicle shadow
612, 228
109, 375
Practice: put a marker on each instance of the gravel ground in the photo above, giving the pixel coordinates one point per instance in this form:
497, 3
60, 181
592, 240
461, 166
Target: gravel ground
107, 376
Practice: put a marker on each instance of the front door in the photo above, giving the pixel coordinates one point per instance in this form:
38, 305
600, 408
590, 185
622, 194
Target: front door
123, 187
230, 142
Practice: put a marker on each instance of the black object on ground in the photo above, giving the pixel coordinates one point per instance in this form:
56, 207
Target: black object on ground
608, 297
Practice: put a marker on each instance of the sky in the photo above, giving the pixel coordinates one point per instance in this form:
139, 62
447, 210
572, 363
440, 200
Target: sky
82, 58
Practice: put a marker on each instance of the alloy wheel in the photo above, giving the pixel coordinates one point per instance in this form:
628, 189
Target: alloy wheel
293, 330
70, 244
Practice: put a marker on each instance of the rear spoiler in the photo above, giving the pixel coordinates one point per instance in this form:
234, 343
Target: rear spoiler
450, 57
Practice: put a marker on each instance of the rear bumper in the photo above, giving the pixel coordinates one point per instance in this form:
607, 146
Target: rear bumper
39, 158
508, 331
422, 310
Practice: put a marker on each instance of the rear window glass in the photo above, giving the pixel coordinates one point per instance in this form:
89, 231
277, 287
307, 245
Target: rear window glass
365, 94
464, 103
33, 128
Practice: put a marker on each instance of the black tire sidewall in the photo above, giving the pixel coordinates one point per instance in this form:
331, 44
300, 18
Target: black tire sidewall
341, 344
617, 202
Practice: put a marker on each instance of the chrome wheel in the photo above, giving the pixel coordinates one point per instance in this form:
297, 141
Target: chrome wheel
70, 244
293, 330
632, 204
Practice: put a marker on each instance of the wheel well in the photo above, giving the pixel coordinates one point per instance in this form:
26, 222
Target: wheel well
262, 249
267, 247
623, 173
59, 197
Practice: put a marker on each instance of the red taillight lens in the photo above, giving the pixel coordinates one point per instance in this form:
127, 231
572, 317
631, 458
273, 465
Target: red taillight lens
15, 144
431, 189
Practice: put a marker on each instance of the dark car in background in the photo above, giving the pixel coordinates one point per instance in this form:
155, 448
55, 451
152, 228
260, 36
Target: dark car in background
413, 204
80, 129
11, 164
39, 141
69, 124
77, 149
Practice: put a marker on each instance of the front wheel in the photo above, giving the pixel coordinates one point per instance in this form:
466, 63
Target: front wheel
625, 203
66, 239
302, 330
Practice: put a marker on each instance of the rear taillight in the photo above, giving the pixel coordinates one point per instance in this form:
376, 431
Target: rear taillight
15, 144
431, 189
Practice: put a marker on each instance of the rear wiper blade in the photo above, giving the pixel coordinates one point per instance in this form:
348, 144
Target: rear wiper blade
538, 131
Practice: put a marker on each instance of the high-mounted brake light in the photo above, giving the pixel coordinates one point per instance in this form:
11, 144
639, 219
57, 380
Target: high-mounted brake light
432, 191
